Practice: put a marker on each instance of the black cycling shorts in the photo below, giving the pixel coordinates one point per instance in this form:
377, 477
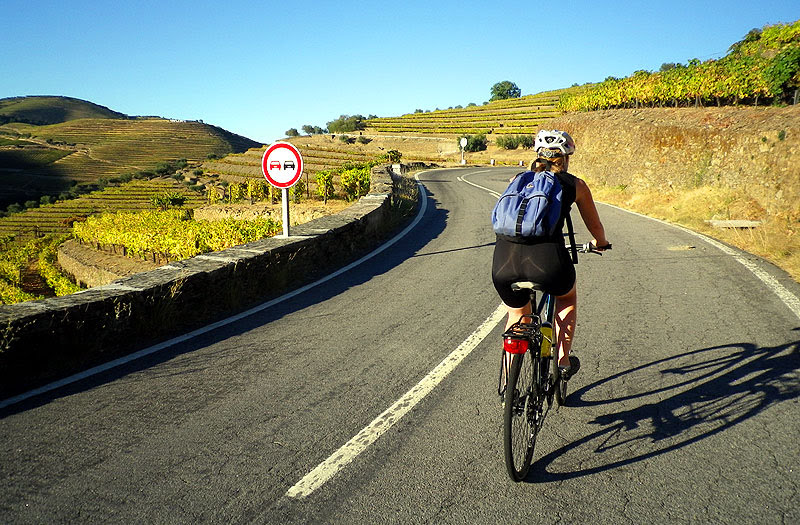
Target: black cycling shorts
547, 264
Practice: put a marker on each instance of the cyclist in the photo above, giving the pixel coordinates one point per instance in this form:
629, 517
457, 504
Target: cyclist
547, 261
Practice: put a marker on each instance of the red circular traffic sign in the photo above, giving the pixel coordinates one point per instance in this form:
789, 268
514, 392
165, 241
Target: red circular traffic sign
282, 165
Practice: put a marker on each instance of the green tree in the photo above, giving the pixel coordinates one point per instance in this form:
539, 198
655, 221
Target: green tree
292, 132
505, 89
346, 123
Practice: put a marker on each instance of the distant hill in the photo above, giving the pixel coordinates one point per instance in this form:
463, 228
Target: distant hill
48, 144
43, 110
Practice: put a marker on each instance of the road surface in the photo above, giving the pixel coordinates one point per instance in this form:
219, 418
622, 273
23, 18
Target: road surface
685, 408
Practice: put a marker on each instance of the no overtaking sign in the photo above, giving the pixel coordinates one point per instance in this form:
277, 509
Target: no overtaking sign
282, 165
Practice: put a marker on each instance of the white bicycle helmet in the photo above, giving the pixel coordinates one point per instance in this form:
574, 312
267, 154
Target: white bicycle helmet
553, 143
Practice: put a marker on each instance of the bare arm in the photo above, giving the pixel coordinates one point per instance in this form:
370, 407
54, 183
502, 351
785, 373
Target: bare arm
588, 210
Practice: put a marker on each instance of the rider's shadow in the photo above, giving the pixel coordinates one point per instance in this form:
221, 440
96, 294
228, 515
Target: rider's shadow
698, 394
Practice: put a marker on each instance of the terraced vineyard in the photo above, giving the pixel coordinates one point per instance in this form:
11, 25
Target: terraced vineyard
45, 160
58, 217
239, 167
524, 115
318, 154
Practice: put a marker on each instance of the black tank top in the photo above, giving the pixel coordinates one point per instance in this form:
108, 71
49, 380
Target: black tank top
568, 183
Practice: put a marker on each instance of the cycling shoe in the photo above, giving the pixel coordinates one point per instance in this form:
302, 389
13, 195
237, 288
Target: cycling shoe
568, 371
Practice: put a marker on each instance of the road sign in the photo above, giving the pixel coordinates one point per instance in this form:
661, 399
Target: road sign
463, 142
282, 165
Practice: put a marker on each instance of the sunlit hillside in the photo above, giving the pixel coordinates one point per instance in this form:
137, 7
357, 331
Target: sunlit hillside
38, 160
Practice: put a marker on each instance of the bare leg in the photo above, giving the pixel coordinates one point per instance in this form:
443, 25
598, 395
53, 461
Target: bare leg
565, 318
514, 314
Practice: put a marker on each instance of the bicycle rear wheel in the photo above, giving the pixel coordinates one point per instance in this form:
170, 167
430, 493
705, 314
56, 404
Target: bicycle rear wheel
520, 415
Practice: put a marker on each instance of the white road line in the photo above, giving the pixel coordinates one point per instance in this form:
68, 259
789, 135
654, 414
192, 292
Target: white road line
491, 192
788, 298
208, 328
348, 452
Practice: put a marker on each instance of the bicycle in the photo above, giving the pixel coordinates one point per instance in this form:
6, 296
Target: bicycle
533, 377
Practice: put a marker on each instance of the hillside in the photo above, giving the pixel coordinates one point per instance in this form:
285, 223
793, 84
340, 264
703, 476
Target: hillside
92, 143
43, 110
524, 115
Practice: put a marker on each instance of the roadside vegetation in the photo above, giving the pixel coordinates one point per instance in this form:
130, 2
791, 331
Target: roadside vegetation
763, 68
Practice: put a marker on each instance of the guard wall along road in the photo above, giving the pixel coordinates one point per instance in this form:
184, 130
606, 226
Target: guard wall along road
49, 339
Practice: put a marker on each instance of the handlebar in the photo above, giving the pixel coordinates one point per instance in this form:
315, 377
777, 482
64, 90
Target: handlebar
590, 248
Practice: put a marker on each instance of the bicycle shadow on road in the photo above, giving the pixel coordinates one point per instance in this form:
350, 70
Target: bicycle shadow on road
701, 393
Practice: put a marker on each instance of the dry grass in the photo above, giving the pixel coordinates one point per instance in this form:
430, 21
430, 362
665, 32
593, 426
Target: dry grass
775, 240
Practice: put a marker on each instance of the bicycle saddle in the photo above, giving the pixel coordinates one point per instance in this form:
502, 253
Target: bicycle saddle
526, 285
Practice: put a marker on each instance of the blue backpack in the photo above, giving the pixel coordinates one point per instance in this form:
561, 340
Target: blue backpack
531, 207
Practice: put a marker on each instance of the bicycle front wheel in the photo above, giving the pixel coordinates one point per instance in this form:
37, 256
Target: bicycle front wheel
520, 415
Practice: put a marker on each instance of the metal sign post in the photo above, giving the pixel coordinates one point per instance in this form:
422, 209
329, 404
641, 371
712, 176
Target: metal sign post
282, 166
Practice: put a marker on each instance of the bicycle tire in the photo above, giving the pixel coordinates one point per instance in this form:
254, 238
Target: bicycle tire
520, 413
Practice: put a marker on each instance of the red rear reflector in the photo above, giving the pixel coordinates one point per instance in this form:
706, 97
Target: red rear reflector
515, 346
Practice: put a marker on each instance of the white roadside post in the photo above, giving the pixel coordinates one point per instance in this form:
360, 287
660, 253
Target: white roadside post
282, 166
463, 146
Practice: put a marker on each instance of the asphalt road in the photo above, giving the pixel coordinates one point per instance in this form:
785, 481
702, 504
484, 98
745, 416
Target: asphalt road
685, 408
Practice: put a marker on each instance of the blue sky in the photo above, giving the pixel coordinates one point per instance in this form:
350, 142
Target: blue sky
260, 68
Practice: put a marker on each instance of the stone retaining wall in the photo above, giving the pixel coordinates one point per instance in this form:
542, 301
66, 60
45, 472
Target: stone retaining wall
52, 338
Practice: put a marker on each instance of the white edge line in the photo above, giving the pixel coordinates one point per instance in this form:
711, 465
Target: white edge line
369, 434
208, 328
788, 298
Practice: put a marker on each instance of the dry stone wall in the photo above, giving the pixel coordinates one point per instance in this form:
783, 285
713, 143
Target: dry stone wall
48, 339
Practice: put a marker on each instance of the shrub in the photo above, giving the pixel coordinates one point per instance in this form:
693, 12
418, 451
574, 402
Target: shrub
393, 156
475, 142
297, 191
527, 141
256, 190
125, 177
48, 267
515, 141
164, 201
212, 195
235, 192
325, 184
355, 182
363, 140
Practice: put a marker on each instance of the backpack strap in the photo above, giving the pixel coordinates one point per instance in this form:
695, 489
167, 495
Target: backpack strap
573, 248
520, 217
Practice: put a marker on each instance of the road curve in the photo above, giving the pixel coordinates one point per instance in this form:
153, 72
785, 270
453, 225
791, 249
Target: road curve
685, 409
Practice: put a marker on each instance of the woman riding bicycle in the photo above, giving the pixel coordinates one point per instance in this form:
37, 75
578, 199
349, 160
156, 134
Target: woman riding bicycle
547, 261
